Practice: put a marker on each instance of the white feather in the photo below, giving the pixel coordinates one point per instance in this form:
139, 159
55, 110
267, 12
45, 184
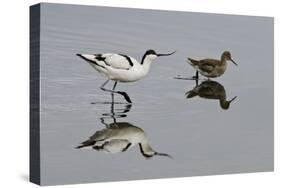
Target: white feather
118, 67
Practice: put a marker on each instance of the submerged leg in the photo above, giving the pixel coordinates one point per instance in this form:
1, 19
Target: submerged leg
124, 94
103, 122
196, 81
196, 75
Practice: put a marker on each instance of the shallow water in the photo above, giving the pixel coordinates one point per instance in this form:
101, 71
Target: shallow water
201, 137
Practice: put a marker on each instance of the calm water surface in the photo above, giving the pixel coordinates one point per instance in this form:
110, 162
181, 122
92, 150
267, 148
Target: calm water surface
201, 137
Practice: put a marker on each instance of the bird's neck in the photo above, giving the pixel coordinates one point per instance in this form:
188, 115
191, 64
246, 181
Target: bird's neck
146, 149
146, 65
223, 60
223, 102
222, 99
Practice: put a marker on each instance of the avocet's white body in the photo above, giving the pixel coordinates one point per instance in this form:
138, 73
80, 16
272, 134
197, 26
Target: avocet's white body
119, 67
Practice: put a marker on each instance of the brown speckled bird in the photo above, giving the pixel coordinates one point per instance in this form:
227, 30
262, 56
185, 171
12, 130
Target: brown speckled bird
211, 90
211, 68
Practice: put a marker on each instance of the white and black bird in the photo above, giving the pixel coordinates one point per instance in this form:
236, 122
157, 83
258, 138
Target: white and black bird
121, 68
120, 137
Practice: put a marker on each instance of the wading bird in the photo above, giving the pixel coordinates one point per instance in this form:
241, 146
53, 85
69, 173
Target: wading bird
211, 68
120, 136
121, 68
211, 90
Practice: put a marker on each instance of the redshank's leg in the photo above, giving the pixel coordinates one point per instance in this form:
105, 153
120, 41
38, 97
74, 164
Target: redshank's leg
196, 81
196, 76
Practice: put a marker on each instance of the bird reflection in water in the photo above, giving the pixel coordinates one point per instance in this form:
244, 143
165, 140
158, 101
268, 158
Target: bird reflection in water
211, 90
120, 136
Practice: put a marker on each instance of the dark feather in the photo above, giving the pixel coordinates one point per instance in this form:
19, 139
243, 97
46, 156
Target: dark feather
86, 143
206, 65
193, 61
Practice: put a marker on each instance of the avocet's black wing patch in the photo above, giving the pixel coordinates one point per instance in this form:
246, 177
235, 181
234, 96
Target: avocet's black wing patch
128, 59
100, 58
91, 61
117, 61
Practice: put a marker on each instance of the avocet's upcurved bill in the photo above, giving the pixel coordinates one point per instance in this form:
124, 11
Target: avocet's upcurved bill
121, 68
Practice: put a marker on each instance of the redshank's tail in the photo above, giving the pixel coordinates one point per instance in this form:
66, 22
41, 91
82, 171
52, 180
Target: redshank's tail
192, 61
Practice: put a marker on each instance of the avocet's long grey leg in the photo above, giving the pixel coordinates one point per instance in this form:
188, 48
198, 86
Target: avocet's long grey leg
108, 90
102, 86
124, 94
114, 86
113, 89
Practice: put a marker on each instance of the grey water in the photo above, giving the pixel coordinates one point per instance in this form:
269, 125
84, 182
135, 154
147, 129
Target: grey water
201, 137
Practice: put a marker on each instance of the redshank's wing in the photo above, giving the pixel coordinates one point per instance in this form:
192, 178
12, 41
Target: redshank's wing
206, 91
207, 65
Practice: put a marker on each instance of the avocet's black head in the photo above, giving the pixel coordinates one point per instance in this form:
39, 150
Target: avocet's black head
150, 52
151, 55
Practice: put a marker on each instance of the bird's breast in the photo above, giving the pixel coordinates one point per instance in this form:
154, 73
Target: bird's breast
131, 75
216, 72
